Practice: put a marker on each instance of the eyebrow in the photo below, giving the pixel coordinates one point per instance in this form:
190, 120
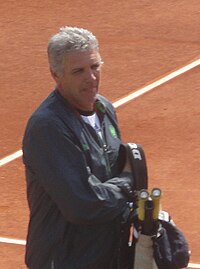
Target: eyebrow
98, 63
77, 68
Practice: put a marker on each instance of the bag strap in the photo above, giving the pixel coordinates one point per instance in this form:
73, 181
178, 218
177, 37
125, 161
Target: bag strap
136, 156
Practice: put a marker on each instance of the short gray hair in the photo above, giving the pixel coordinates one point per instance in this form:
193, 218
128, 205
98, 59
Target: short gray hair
69, 39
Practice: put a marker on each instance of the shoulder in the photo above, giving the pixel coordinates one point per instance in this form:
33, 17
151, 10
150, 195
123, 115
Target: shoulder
44, 120
54, 110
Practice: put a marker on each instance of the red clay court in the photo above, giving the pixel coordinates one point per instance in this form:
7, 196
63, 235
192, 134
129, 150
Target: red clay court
142, 42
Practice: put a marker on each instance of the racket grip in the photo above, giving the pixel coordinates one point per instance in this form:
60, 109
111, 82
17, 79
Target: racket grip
156, 196
142, 198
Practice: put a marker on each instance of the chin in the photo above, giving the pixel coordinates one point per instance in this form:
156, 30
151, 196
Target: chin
89, 106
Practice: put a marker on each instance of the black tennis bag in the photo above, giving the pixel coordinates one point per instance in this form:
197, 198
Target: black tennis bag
170, 248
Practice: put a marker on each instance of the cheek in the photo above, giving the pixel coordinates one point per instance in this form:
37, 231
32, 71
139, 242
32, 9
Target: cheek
71, 83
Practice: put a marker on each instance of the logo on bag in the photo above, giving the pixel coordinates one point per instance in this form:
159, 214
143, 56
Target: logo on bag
135, 151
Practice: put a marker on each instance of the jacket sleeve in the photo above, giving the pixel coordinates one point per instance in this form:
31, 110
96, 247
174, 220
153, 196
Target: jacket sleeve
60, 168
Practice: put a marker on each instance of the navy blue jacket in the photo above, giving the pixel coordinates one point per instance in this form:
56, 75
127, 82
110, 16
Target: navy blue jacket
73, 187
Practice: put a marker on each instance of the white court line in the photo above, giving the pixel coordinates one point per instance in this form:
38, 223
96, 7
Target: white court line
194, 265
115, 104
12, 241
11, 157
156, 83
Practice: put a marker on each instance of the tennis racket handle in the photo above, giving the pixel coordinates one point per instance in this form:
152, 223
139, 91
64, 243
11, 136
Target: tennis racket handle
142, 198
156, 196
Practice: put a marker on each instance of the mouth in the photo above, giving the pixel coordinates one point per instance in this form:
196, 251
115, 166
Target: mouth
87, 98
90, 91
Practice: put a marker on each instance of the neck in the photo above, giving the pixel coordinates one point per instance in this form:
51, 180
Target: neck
85, 112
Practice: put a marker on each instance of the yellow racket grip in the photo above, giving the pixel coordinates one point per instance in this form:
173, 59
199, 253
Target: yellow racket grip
156, 194
142, 198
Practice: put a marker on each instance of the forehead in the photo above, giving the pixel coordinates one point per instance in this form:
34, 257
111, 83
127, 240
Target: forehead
82, 58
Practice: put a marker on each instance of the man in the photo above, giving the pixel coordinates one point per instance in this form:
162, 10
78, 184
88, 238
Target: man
76, 190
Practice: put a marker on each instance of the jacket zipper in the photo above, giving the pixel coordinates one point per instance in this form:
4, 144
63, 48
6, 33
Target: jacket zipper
105, 149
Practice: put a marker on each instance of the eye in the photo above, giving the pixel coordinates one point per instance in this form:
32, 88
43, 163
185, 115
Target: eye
77, 71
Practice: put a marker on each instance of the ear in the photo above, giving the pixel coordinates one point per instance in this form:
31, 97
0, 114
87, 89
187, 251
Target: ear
54, 76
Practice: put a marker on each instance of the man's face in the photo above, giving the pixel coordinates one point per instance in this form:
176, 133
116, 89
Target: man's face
80, 81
